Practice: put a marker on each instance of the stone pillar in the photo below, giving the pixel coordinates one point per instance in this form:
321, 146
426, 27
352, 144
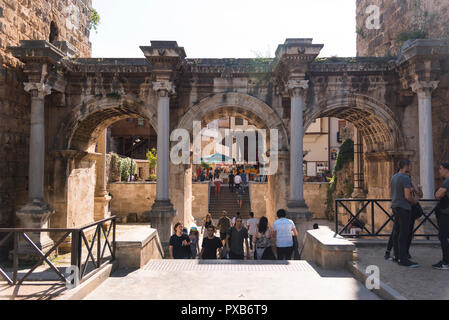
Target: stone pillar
162, 213
427, 177
297, 208
358, 166
102, 197
36, 213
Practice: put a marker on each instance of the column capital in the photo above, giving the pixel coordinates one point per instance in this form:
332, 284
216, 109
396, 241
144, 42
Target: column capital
164, 88
37, 89
424, 86
297, 87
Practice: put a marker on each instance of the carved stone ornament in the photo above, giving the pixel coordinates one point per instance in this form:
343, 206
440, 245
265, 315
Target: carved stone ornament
37, 89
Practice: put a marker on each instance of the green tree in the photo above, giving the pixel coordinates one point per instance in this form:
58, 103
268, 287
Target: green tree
94, 20
125, 166
152, 159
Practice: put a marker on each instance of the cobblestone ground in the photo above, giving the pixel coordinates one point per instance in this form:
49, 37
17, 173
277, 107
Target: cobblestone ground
421, 283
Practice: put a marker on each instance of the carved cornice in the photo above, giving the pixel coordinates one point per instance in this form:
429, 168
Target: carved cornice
164, 88
297, 86
37, 89
424, 86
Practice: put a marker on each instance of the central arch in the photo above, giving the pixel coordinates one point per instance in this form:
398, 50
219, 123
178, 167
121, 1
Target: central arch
259, 114
243, 105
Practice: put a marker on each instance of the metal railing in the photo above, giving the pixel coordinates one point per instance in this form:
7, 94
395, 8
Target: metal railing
78, 239
369, 207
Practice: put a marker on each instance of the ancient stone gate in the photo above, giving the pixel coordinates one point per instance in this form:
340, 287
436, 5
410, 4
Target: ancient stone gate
391, 102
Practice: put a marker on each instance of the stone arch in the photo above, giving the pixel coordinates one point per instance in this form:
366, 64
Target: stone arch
86, 122
236, 104
376, 122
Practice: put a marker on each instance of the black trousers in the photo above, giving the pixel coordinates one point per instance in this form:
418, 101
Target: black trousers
443, 225
401, 234
251, 242
284, 253
235, 256
231, 186
410, 238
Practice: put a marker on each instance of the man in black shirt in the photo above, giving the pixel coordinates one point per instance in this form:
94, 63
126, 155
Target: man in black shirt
211, 244
442, 213
179, 244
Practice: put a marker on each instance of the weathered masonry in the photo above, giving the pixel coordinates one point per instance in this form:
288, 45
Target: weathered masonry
392, 102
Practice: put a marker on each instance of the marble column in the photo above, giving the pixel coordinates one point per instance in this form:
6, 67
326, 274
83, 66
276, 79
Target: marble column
102, 198
297, 209
36, 213
426, 161
162, 213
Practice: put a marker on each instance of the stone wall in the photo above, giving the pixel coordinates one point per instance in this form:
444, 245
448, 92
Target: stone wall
28, 20
200, 203
80, 194
400, 20
131, 198
258, 196
31, 20
315, 194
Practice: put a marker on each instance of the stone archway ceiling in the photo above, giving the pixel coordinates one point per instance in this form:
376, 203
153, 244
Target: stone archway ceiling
234, 111
374, 131
91, 127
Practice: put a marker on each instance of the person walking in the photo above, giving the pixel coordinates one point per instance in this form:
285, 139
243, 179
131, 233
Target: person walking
235, 238
417, 212
240, 196
283, 231
442, 213
207, 222
217, 182
179, 246
401, 203
194, 237
263, 241
251, 225
237, 180
224, 224
237, 215
231, 181
210, 245
244, 178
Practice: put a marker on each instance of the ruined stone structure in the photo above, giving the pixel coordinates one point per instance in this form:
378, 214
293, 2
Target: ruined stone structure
66, 25
399, 21
393, 102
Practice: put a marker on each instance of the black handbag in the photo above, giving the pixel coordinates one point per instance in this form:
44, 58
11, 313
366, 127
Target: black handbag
443, 205
417, 211
296, 255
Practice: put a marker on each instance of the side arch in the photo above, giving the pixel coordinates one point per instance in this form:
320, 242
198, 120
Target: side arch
236, 104
84, 124
376, 121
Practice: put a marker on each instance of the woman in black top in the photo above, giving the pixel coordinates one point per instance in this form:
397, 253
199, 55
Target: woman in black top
179, 244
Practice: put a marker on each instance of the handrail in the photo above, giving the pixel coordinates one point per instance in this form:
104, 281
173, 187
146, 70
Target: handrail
78, 239
372, 205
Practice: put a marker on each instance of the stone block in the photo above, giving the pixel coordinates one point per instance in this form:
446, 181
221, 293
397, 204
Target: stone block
137, 246
326, 249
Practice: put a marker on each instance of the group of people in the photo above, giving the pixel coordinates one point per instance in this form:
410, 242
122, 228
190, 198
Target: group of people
406, 210
226, 175
237, 240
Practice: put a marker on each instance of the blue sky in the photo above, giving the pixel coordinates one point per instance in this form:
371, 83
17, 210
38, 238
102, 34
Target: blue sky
223, 29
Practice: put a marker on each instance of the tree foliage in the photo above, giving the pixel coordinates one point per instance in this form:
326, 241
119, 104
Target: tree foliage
152, 159
124, 166
95, 20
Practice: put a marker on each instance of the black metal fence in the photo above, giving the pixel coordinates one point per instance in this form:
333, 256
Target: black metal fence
103, 230
368, 227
